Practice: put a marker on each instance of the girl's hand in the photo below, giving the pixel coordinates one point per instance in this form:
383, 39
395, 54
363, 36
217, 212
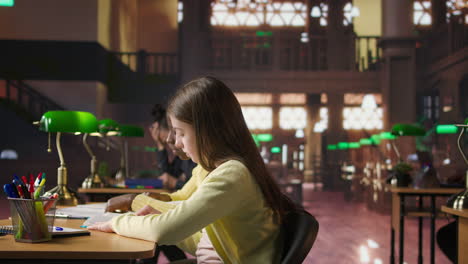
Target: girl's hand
146, 210
102, 226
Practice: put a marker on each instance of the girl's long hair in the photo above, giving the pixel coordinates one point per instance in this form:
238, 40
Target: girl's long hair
222, 134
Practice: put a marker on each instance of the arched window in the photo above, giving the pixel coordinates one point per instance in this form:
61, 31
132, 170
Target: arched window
454, 9
246, 13
422, 12
368, 115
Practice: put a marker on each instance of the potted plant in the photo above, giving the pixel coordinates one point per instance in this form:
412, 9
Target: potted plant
401, 172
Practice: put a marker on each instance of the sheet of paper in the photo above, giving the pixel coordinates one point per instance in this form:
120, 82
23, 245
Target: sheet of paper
104, 217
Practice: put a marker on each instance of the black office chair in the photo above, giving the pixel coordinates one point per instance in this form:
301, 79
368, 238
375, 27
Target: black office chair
300, 231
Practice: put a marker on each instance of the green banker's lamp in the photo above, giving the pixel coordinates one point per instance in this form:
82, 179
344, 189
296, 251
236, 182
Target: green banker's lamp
405, 130
402, 169
444, 130
105, 128
126, 131
460, 200
66, 122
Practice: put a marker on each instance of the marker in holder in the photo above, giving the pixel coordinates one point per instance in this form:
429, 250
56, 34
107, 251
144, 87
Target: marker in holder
32, 219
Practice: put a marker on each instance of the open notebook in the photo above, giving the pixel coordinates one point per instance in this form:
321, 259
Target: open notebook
56, 232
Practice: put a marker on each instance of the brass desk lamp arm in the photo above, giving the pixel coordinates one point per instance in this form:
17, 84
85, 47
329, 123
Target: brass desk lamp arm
59, 149
88, 149
459, 144
396, 151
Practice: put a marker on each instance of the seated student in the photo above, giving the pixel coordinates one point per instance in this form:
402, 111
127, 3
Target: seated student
237, 206
176, 167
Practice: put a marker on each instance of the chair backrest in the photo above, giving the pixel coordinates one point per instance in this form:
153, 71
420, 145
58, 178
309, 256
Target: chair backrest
300, 231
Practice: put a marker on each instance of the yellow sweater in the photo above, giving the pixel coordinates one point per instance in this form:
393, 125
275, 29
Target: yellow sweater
227, 202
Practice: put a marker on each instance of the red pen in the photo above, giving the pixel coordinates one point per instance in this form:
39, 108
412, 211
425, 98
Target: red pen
25, 180
49, 204
20, 191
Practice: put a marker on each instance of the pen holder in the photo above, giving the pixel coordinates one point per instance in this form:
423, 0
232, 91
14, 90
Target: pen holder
32, 220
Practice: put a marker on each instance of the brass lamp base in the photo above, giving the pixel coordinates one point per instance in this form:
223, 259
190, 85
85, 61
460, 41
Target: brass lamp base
65, 195
460, 200
92, 181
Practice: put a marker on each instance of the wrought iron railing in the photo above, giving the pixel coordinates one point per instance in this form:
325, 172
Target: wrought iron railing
283, 51
150, 63
444, 41
368, 53
25, 99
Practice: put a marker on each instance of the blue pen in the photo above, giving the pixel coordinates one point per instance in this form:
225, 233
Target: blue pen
9, 190
57, 228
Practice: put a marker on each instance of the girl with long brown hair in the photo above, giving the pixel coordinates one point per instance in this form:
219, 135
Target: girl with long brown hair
237, 204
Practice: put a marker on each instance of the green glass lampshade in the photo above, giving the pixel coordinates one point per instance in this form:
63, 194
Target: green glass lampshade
332, 147
407, 130
131, 131
108, 127
365, 141
446, 129
68, 122
354, 145
343, 145
387, 136
275, 150
376, 139
265, 137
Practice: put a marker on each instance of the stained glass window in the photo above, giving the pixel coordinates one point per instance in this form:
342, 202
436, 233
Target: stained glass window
422, 12
454, 10
255, 13
368, 116
292, 118
258, 117
322, 124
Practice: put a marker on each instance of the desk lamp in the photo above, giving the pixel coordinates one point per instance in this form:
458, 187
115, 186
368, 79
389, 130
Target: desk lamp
126, 131
106, 127
443, 130
460, 200
66, 122
405, 130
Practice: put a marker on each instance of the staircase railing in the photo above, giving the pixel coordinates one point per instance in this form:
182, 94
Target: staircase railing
27, 101
150, 63
368, 53
445, 41
31, 105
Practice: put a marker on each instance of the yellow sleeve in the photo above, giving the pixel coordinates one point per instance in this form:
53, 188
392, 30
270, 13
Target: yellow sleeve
198, 173
142, 200
220, 195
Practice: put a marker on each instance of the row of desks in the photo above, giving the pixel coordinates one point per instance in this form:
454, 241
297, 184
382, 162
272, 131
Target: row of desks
112, 248
400, 211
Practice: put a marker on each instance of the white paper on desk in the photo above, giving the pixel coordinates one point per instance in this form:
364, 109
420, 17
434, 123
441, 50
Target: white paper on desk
79, 211
93, 206
104, 217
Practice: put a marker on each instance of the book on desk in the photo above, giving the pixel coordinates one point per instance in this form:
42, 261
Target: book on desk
56, 231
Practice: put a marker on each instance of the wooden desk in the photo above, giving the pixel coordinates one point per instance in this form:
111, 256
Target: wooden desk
99, 247
399, 212
462, 224
107, 193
